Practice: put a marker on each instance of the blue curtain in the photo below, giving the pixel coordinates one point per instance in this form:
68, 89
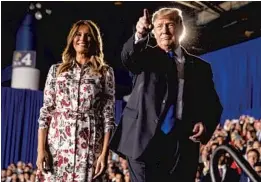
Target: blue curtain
20, 111
237, 77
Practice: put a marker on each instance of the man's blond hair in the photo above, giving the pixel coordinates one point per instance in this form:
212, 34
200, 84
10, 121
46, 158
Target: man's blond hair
171, 12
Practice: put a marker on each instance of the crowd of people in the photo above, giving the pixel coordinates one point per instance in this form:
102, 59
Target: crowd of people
77, 126
117, 169
244, 134
19, 172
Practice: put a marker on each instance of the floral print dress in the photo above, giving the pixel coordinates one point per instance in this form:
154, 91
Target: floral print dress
78, 110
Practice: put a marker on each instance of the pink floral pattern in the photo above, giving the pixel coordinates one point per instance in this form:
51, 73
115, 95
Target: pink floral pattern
78, 110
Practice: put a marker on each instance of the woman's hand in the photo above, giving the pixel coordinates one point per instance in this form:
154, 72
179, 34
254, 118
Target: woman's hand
41, 159
100, 166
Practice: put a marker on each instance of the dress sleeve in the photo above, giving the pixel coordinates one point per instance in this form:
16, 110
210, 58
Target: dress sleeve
109, 102
49, 99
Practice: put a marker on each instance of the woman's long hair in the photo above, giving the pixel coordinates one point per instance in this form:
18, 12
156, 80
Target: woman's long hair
95, 51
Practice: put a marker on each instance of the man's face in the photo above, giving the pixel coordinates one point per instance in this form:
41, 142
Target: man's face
124, 164
167, 32
252, 158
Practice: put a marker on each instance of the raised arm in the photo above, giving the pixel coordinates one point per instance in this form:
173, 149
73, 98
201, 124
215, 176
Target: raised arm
131, 54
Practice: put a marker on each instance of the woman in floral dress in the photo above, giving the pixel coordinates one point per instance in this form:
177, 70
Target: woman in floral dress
77, 116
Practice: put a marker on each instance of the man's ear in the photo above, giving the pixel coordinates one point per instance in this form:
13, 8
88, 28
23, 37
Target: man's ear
180, 30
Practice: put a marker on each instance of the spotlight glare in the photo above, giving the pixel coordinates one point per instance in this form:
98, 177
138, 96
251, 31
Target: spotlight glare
38, 5
48, 11
38, 15
31, 6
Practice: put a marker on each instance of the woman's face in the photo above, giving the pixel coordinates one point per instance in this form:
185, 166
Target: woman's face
82, 39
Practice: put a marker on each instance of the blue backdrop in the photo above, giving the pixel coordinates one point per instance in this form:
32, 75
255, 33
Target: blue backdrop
237, 77
19, 120
20, 111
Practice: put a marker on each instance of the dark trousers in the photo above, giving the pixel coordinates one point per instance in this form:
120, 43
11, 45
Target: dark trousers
164, 160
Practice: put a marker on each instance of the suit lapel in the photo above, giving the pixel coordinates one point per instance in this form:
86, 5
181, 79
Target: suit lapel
188, 72
189, 65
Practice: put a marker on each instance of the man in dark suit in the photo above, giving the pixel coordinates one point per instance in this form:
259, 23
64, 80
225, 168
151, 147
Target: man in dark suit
173, 105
